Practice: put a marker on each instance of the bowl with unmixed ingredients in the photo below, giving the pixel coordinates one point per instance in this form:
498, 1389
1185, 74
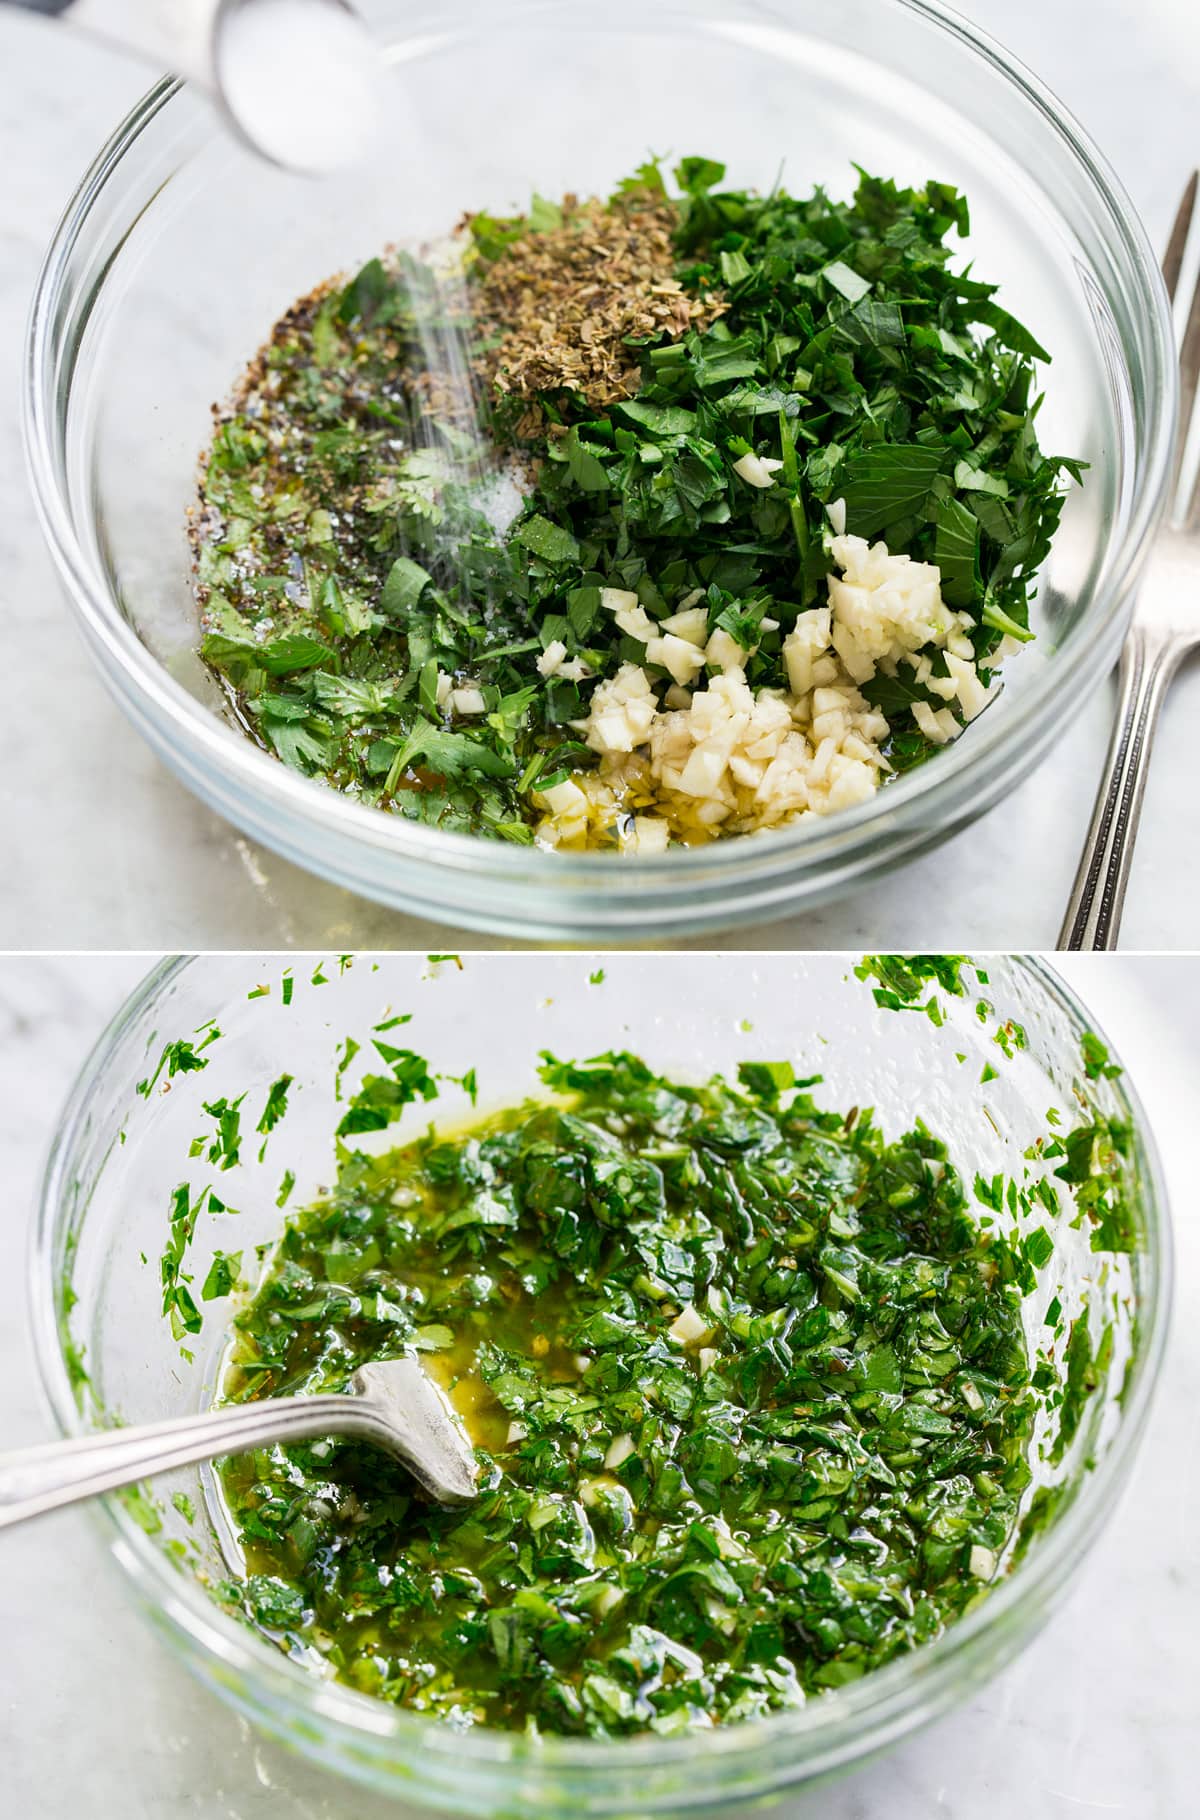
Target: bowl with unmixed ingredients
179, 252
205, 1118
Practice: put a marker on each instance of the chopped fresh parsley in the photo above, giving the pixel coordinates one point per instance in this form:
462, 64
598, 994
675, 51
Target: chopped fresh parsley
180, 1057
748, 1386
276, 1105
384, 625
382, 1098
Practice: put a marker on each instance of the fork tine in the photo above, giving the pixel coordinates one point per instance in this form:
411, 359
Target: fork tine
1182, 509
1189, 375
1172, 263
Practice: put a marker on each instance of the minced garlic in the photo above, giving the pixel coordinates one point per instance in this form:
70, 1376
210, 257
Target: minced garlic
717, 756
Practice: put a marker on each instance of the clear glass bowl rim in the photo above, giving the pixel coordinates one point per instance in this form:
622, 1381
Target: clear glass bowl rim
959, 784
862, 1716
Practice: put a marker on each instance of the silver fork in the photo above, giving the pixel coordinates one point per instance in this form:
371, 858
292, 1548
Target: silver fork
392, 1402
1164, 629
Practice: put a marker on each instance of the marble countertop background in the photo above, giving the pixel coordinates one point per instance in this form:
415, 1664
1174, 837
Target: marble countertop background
106, 850
1097, 1718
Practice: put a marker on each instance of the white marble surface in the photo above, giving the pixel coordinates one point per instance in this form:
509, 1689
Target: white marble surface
1098, 1717
106, 850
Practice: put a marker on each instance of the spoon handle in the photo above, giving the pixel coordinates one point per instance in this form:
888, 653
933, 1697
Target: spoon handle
39, 1479
1093, 917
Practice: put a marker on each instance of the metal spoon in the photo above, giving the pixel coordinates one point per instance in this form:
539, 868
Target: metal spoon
302, 81
393, 1404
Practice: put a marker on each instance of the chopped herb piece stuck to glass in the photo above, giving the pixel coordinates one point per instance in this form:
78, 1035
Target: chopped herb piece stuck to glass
533, 538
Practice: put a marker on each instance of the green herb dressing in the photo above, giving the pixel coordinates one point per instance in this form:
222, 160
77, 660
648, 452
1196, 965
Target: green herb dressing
747, 1382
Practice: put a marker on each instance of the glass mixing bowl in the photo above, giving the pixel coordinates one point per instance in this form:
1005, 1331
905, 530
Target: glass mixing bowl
119, 1156
179, 251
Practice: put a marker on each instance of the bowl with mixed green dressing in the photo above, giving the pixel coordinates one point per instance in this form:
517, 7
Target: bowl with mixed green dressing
610, 521
803, 1318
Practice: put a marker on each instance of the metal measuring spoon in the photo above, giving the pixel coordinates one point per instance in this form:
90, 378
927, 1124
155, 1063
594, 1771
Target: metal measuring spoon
393, 1404
300, 80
